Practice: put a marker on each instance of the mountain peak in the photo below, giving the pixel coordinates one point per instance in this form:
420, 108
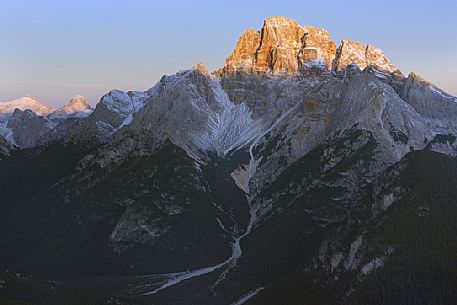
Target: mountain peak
77, 103
31, 97
281, 47
352, 52
77, 106
201, 67
23, 103
284, 47
279, 21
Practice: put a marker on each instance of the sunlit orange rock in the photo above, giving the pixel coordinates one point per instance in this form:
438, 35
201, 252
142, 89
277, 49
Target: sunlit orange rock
350, 52
281, 47
284, 47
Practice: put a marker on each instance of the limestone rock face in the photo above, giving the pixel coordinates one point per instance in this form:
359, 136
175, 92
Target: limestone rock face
430, 101
299, 114
244, 56
193, 110
281, 47
317, 46
115, 110
114, 107
351, 52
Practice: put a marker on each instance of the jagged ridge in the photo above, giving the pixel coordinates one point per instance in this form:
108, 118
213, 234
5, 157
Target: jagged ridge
283, 47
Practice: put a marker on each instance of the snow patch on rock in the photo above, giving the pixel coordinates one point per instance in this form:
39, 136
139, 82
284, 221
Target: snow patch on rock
248, 296
376, 263
387, 201
352, 259
336, 260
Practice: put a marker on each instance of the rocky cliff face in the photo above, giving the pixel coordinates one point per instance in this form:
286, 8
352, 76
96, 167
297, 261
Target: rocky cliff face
350, 52
27, 127
283, 47
430, 101
114, 111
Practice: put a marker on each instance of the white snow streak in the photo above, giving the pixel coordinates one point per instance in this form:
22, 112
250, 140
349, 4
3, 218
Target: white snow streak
236, 247
229, 126
248, 296
176, 278
182, 276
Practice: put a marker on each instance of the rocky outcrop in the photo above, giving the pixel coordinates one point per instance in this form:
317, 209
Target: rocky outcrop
282, 47
318, 48
113, 108
114, 111
28, 128
430, 101
244, 56
350, 52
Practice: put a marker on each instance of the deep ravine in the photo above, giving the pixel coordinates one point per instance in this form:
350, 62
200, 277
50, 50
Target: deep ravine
173, 279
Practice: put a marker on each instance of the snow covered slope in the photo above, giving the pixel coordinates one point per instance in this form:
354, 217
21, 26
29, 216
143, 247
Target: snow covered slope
23, 103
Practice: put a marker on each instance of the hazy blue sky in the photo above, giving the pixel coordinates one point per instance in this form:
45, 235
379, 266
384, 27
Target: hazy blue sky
56, 49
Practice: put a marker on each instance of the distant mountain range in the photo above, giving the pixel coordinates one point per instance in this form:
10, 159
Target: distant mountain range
301, 172
27, 122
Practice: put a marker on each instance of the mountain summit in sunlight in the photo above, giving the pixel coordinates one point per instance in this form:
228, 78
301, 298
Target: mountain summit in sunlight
283, 47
